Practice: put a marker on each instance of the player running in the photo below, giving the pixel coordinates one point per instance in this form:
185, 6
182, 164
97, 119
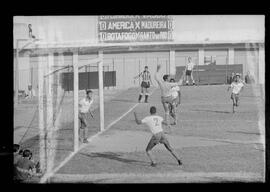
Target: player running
176, 100
154, 122
166, 95
145, 85
237, 86
84, 109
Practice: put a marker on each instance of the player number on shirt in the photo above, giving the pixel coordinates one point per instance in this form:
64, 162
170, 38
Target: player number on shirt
156, 122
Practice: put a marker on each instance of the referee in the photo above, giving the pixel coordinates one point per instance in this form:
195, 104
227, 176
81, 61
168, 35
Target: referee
145, 85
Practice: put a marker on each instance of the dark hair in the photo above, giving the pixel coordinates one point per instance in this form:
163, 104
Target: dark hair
21, 152
172, 80
16, 147
146, 67
153, 110
89, 91
165, 77
27, 153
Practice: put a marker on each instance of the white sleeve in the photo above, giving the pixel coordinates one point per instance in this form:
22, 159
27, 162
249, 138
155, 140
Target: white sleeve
173, 84
92, 100
144, 120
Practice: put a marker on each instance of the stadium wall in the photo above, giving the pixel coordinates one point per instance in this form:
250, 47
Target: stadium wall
128, 64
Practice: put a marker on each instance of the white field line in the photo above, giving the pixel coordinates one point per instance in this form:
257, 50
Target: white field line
179, 175
205, 103
219, 120
50, 174
233, 141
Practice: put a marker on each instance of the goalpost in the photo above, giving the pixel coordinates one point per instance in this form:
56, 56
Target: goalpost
99, 60
49, 104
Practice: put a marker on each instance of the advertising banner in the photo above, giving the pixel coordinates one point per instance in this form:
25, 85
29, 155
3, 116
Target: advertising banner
134, 28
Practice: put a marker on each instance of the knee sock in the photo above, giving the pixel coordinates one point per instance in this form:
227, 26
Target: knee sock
167, 118
85, 133
146, 97
140, 97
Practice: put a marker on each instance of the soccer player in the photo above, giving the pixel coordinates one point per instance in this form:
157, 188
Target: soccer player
176, 94
30, 32
165, 87
154, 122
176, 99
189, 71
237, 86
84, 110
145, 85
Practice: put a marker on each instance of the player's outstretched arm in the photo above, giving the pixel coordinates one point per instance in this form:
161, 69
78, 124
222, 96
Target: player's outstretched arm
138, 121
229, 88
136, 77
157, 75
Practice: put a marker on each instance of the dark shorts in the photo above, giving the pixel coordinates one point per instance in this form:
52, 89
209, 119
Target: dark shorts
234, 95
156, 139
188, 72
83, 120
145, 84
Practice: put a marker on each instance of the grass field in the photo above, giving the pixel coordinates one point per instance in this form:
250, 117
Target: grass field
214, 144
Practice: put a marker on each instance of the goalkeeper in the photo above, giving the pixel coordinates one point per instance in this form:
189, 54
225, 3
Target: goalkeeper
84, 109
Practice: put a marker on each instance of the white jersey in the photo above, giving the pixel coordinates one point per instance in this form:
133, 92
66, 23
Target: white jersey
164, 86
174, 91
236, 87
154, 122
190, 66
85, 105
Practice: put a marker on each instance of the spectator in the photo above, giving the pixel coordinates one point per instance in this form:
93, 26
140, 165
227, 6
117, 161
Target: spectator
30, 92
25, 168
249, 78
16, 156
16, 153
232, 78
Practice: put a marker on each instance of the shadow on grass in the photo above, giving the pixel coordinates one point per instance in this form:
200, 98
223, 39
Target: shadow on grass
243, 132
225, 180
18, 127
123, 100
116, 157
207, 110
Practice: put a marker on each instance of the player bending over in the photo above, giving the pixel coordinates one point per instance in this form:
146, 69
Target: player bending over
154, 122
165, 87
237, 86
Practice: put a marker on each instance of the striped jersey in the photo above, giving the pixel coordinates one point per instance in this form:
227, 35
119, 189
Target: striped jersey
145, 76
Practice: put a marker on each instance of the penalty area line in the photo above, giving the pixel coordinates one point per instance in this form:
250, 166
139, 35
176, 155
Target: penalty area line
48, 175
